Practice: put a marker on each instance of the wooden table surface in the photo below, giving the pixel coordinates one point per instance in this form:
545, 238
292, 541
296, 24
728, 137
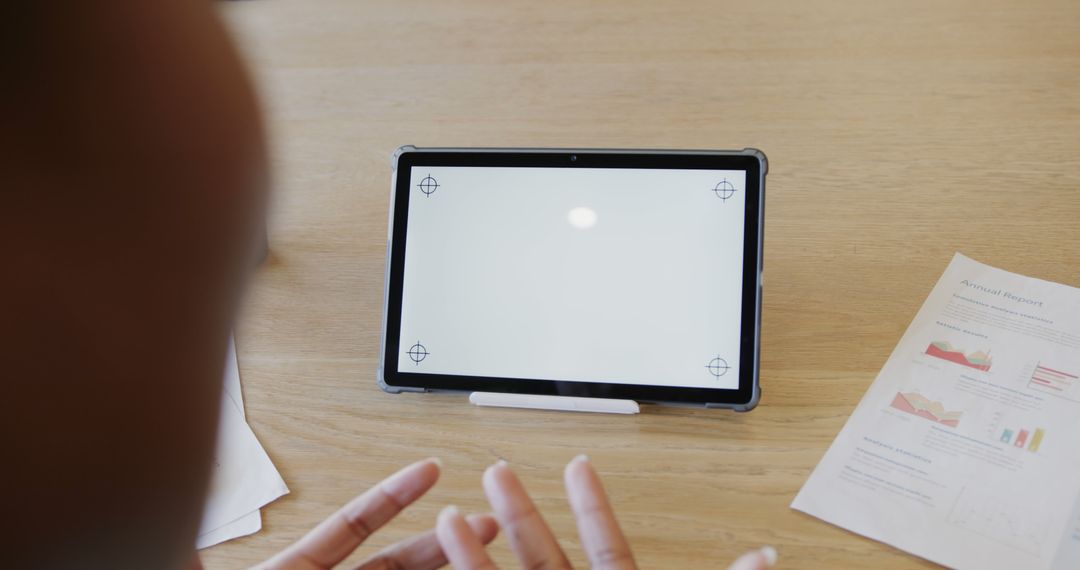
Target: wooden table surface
897, 133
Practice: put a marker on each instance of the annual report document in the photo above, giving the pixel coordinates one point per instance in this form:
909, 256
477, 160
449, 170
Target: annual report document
966, 448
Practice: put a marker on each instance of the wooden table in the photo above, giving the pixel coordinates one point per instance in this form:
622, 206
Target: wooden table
897, 133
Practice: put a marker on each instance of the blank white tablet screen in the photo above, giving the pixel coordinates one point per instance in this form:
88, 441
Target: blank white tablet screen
611, 275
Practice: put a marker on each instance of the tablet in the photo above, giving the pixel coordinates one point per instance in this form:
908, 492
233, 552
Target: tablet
629, 274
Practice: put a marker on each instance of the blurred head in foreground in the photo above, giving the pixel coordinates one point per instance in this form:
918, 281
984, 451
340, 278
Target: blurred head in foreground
132, 175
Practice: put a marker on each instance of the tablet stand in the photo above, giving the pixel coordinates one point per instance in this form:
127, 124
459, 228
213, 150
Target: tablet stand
560, 403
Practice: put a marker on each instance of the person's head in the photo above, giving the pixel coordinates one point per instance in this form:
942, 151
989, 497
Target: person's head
131, 173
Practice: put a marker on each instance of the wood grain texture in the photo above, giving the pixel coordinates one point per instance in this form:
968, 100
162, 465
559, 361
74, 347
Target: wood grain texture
897, 134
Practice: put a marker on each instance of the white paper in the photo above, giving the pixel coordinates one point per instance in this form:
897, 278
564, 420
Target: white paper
968, 453
251, 522
231, 383
244, 477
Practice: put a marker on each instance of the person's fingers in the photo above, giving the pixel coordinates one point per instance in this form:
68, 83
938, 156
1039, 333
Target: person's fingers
601, 537
422, 552
756, 560
462, 547
528, 534
336, 537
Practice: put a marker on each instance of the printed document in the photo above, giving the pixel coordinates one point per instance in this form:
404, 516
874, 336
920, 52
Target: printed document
966, 448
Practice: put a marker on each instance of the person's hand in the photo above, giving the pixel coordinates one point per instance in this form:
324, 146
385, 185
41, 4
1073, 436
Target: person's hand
531, 539
338, 536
